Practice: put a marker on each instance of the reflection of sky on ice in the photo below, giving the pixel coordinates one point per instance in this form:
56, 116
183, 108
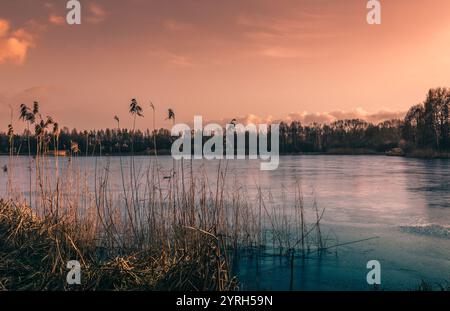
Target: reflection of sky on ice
405, 203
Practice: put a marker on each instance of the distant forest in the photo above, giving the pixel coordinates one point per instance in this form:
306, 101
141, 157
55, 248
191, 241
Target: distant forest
425, 127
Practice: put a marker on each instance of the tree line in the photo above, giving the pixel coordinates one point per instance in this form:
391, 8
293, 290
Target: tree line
425, 126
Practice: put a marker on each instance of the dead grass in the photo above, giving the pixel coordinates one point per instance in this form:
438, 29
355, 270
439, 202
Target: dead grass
34, 252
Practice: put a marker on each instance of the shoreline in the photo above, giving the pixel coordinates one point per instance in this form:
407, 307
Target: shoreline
417, 154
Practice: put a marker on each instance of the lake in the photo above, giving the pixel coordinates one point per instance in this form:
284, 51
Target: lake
400, 205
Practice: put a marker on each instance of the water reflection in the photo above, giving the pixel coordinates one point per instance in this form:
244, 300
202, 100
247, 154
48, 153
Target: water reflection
404, 202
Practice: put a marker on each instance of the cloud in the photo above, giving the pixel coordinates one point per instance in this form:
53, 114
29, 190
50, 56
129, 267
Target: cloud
171, 58
57, 20
308, 118
97, 13
14, 44
4, 27
358, 113
281, 52
39, 93
49, 96
181, 61
278, 27
49, 5
285, 36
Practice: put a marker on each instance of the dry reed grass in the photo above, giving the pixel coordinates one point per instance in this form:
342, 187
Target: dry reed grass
174, 229
34, 252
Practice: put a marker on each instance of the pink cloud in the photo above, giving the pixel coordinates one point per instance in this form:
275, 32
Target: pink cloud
57, 20
97, 14
171, 58
308, 118
358, 113
14, 44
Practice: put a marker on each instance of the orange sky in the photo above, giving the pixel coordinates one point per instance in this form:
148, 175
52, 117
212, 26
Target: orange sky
255, 59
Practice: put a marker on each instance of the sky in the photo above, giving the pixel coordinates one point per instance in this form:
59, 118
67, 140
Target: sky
253, 60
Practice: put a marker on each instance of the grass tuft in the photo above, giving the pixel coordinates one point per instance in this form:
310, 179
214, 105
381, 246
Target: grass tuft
34, 252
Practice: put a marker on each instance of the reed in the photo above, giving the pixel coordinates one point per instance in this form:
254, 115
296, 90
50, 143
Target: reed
175, 228
35, 250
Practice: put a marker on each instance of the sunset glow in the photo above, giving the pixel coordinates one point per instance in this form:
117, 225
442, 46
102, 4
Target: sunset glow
263, 60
